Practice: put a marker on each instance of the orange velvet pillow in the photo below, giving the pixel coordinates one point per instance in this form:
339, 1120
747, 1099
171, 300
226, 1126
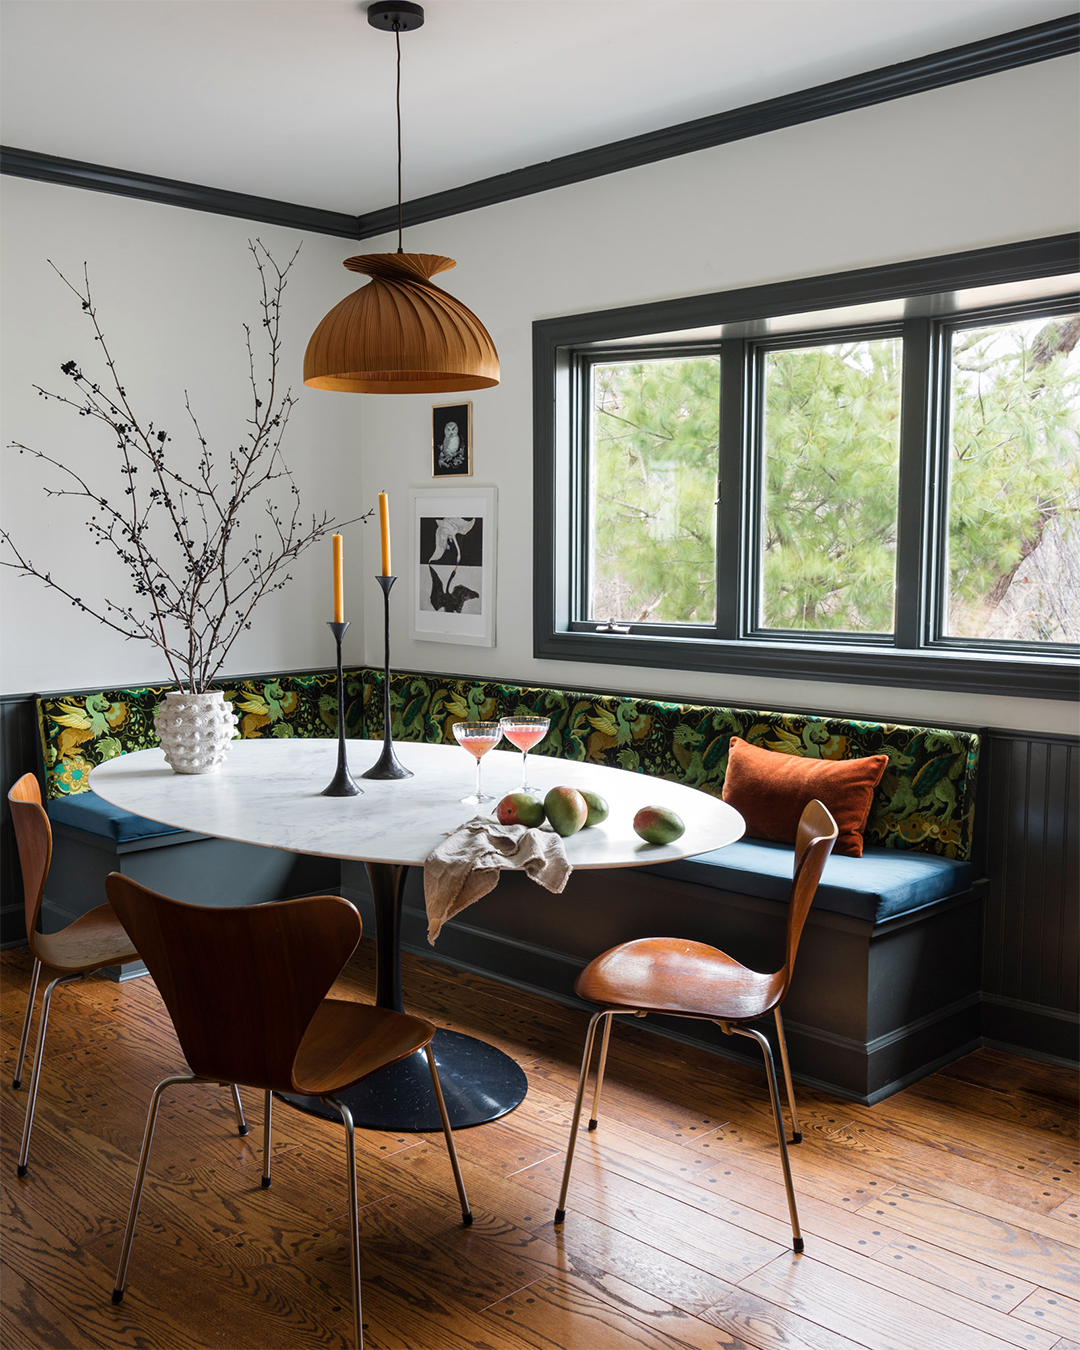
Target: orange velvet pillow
770, 790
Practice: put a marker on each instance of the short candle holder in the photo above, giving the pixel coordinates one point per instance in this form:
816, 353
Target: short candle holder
342, 784
387, 765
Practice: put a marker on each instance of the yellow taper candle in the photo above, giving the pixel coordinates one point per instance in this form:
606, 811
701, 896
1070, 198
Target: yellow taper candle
384, 526
339, 583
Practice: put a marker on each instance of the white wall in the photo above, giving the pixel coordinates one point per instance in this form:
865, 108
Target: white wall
173, 288
981, 163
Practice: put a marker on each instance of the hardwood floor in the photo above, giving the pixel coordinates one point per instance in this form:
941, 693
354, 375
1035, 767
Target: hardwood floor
944, 1218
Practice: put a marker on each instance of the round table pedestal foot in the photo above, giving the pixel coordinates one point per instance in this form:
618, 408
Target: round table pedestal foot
479, 1084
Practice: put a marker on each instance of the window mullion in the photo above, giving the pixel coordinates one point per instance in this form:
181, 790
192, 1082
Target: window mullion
731, 475
914, 532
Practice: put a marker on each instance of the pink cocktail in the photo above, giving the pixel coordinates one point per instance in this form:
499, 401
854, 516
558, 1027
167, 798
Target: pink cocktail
525, 732
478, 738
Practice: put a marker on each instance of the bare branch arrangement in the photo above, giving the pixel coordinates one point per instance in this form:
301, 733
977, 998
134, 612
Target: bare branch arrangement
176, 527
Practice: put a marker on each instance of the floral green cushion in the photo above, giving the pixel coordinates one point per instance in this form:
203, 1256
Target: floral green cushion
925, 800
79, 731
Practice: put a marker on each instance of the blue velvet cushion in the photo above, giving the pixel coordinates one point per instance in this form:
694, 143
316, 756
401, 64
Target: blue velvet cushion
87, 811
881, 884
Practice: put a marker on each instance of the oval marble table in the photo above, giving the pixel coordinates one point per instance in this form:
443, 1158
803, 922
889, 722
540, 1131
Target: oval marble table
268, 792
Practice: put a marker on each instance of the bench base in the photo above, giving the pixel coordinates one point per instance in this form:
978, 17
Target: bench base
872, 1008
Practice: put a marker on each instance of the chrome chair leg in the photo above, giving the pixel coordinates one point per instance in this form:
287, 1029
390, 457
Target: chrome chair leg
39, 1055
466, 1212
140, 1175
268, 1124
241, 1123
354, 1219
595, 1117
590, 1038
16, 1082
796, 1132
778, 1119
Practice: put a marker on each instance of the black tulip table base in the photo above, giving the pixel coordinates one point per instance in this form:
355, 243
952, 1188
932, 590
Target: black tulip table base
479, 1084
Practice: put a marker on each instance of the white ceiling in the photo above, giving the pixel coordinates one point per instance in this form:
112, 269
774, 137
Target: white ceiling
293, 99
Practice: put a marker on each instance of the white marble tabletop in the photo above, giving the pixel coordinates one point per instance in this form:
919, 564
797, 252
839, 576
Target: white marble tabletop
268, 792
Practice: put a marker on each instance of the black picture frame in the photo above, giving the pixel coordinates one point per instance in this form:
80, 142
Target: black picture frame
451, 440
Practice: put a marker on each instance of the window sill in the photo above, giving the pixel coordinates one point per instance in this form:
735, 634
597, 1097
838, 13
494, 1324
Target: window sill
1028, 677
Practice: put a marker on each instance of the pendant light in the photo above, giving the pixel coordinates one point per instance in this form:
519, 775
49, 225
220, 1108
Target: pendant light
400, 334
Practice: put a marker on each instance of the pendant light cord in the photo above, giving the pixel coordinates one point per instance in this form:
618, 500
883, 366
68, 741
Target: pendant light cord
397, 40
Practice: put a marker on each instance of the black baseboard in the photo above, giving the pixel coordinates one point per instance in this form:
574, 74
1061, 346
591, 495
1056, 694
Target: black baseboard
1052, 1034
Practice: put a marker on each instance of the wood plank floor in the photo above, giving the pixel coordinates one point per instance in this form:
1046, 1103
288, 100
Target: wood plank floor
943, 1219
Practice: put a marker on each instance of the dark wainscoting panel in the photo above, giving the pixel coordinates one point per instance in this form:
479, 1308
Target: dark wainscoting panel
1031, 943
19, 753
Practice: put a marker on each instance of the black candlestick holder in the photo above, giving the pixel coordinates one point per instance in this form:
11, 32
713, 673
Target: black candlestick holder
387, 765
342, 784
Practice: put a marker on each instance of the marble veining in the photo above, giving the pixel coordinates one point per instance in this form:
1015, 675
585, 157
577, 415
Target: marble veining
269, 792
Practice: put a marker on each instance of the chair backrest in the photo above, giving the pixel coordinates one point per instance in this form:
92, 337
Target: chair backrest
814, 841
241, 984
34, 838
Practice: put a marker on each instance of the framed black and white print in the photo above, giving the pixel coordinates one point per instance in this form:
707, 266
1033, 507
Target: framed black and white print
453, 565
451, 441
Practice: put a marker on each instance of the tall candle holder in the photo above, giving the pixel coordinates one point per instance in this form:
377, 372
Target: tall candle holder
387, 765
341, 785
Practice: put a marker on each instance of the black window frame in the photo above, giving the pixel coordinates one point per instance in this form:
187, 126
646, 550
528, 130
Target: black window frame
916, 654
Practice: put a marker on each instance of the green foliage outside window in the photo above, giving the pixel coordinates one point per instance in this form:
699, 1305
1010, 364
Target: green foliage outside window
653, 461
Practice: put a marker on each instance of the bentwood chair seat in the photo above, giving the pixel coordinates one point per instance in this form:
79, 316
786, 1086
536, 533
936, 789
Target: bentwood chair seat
246, 989
681, 978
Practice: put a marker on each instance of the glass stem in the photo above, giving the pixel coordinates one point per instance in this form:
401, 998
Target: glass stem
478, 777
524, 755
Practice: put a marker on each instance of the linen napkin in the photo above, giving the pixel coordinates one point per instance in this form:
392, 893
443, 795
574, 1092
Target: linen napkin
467, 865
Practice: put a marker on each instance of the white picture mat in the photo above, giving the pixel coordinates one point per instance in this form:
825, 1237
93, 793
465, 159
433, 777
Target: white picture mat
478, 628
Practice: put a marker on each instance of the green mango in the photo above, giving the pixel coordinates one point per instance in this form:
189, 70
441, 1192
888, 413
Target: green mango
567, 810
658, 825
598, 808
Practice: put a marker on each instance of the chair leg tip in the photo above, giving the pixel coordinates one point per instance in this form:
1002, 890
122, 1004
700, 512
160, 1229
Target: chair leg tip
560, 1216
466, 1219
797, 1244
796, 1138
593, 1124
266, 1183
241, 1130
16, 1083
118, 1296
22, 1170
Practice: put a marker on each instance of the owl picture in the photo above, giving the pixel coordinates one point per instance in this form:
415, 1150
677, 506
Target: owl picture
451, 437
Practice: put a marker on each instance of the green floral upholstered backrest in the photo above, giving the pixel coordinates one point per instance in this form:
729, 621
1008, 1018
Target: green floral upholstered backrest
926, 798
79, 731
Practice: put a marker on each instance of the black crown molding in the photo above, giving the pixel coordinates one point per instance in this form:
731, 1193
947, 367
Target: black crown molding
173, 192
988, 56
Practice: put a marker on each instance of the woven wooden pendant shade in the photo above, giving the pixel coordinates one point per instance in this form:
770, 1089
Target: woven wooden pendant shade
400, 334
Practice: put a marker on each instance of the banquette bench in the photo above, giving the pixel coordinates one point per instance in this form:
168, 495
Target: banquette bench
887, 985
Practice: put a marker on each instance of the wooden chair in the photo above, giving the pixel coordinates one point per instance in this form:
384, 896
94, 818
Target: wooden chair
689, 979
246, 990
91, 942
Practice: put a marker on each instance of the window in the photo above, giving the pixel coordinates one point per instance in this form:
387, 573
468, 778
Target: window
871, 477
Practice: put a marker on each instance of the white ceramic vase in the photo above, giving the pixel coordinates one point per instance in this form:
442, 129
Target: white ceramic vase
195, 730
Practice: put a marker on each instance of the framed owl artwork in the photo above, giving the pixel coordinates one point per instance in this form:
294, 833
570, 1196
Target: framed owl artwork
451, 441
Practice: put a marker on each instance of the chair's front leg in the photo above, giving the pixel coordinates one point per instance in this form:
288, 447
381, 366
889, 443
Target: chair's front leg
466, 1212
39, 1056
136, 1195
241, 1123
268, 1124
796, 1132
16, 1082
354, 1219
595, 1117
778, 1120
590, 1037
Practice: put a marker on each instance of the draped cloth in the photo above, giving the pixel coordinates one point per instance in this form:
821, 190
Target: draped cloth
467, 864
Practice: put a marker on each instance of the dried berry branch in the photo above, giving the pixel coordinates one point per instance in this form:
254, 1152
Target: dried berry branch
177, 529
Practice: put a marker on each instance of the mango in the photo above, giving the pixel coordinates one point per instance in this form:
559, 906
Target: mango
658, 825
520, 808
567, 810
598, 808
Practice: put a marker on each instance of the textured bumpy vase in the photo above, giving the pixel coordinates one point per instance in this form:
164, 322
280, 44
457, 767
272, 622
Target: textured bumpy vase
195, 730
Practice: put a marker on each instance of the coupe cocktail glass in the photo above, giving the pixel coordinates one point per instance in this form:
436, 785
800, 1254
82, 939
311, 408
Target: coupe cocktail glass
524, 733
478, 738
